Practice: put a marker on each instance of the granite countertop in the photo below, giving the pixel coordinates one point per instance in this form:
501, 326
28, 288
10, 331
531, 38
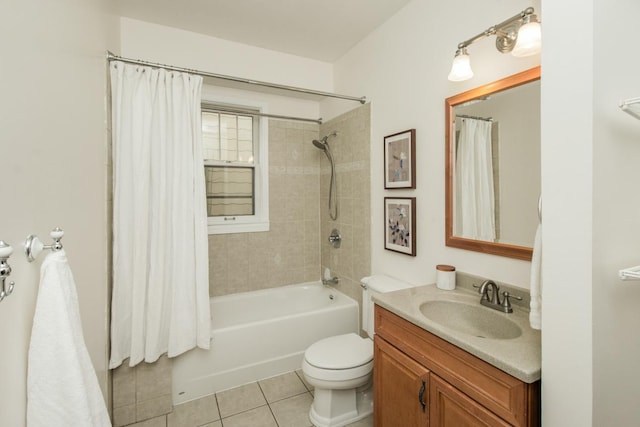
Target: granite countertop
519, 357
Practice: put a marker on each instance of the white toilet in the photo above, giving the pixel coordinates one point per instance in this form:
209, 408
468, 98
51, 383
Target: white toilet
340, 368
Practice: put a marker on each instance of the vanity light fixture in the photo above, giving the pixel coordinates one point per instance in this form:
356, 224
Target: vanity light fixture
461, 68
520, 35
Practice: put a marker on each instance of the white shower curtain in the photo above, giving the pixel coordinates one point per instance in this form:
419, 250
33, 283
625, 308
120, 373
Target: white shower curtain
475, 201
160, 301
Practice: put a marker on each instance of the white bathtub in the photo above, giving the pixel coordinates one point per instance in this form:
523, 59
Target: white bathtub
257, 335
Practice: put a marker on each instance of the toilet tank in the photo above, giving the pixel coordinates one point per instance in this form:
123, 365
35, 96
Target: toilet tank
377, 284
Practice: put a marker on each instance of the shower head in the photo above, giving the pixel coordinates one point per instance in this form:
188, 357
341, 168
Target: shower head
322, 143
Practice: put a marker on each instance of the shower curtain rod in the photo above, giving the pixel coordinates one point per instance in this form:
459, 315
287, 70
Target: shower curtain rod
464, 116
221, 109
113, 57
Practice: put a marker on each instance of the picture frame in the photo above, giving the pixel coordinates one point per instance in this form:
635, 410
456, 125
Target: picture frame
400, 224
400, 160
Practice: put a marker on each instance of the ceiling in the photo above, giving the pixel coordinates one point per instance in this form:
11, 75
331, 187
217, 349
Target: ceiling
319, 29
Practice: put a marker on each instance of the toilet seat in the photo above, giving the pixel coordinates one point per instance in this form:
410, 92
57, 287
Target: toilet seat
339, 358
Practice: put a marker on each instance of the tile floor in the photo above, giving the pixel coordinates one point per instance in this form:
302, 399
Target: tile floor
281, 401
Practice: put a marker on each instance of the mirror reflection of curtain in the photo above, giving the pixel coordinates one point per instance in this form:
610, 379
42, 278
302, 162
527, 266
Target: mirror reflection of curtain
475, 201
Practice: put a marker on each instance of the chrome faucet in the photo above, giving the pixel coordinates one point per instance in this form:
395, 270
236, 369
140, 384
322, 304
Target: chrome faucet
332, 281
493, 300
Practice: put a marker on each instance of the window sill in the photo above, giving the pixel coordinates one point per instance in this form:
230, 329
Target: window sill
253, 227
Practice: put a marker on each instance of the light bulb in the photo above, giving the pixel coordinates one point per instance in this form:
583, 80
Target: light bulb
461, 67
529, 38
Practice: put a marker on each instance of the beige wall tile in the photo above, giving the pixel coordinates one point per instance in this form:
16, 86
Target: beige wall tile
141, 392
346, 212
124, 385
312, 232
154, 407
352, 261
312, 274
296, 275
311, 254
344, 184
124, 415
153, 379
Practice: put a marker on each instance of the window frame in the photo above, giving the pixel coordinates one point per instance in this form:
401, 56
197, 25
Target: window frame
259, 221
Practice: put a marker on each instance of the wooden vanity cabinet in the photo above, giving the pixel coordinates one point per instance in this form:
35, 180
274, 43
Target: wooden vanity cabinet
423, 380
405, 383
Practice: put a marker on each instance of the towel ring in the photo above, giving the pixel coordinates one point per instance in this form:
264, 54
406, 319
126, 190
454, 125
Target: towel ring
33, 246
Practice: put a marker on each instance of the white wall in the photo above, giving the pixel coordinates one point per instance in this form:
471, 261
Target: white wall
616, 217
402, 68
53, 169
567, 188
157, 43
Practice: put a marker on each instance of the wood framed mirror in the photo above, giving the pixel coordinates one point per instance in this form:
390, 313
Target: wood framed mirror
492, 166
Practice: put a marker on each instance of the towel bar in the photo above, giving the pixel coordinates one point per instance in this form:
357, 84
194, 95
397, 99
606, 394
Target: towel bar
632, 273
631, 107
33, 246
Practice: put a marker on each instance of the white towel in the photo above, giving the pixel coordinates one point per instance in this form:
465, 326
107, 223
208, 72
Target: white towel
535, 315
62, 387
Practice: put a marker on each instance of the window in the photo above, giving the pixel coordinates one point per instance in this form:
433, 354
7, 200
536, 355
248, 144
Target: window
235, 170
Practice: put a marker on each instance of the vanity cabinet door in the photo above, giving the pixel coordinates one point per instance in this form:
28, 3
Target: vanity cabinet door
449, 407
401, 388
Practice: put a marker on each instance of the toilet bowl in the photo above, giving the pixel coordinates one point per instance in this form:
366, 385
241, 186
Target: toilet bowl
337, 367
340, 367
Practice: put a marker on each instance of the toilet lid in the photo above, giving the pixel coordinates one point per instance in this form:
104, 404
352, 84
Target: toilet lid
340, 352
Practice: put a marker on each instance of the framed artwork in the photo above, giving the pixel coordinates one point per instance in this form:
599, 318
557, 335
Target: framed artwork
400, 160
400, 224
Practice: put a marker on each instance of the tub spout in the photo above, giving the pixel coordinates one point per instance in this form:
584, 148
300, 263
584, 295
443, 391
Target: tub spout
332, 281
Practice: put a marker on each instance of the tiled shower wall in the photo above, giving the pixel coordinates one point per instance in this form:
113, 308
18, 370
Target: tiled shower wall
141, 393
290, 251
351, 151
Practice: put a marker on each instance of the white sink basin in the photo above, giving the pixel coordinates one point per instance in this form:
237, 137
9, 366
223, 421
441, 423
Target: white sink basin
472, 320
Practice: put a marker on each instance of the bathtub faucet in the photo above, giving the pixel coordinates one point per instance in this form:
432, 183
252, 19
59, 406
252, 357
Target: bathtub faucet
332, 281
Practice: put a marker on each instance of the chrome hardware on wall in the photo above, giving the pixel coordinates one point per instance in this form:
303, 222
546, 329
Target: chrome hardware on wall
631, 273
33, 246
328, 280
5, 269
335, 238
